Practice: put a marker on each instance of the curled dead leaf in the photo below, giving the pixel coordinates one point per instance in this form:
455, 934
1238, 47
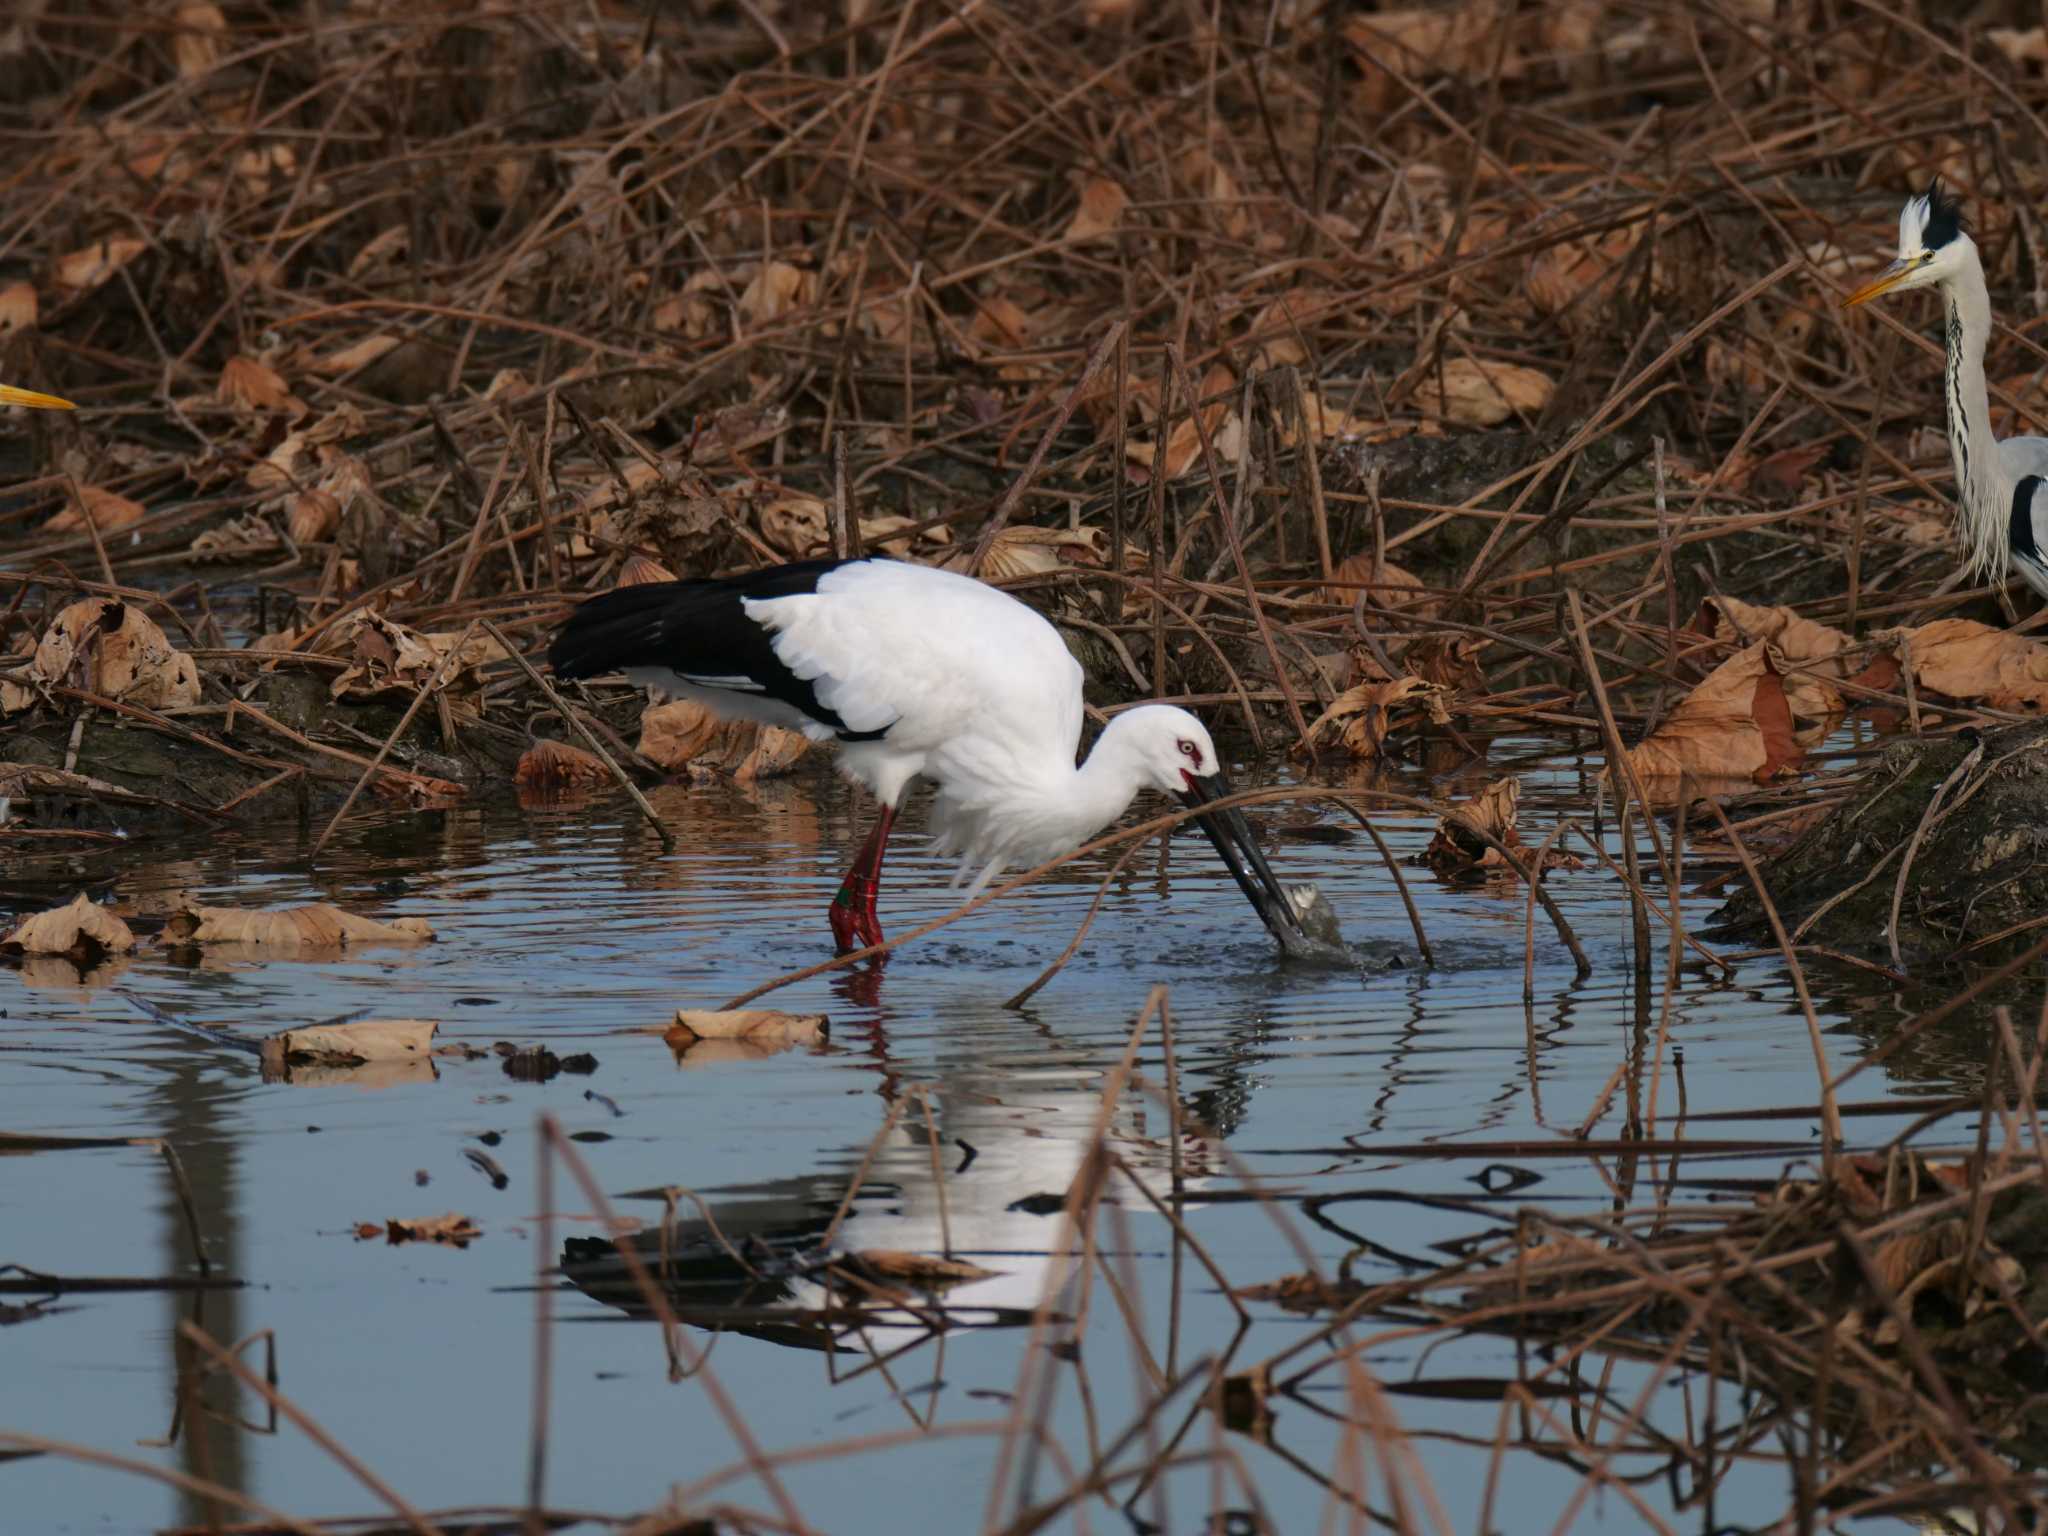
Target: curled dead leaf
1101, 211
1360, 719
1962, 659
796, 525
314, 515
776, 289
1735, 726
1454, 850
316, 926
640, 571
1483, 394
453, 1229
17, 307
80, 931
252, 385
556, 765
764, 1024
107, 511
111, 648
365, 1040
1041, 551
684, 735
93, 265
1388, 587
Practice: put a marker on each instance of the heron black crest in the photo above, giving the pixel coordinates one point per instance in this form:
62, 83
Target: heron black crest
1944, 217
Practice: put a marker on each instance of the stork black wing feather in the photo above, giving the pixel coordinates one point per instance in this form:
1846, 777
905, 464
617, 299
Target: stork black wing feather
697, 629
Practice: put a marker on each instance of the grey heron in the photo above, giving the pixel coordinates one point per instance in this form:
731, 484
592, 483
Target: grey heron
2002, 511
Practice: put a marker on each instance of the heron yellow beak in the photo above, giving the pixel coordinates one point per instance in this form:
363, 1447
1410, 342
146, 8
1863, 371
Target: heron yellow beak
9, 395
1884, 282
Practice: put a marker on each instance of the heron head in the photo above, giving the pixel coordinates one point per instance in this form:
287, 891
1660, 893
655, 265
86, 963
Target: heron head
1932, 246
1171, 748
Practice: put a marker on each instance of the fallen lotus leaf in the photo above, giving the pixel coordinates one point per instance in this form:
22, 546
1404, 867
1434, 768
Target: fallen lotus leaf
1454, 850
640, 571
1360, 719
456, 1230
1736, 725
1781, 476
252, 385
80, 930
358, 355
111, 648
1815, 657
314, 515
776, 289
317, 926
17, 306
93, 265
1484, 394
920, 1269
103, 510
1041, 551
1101, 211
1450, 661
557, 765
796, 525
1391, 587
387, 658
365, 1040
1962, 659
684, 735
1184, 442
890, 533
763, 1025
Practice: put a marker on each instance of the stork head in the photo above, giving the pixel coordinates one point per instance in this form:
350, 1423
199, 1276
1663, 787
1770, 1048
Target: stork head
1932, 246
1169, 749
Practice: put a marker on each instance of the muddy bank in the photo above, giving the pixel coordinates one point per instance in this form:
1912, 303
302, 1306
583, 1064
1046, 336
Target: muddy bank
1951, 834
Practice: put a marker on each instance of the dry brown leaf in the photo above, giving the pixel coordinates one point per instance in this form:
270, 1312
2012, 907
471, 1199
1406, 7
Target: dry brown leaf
797, 525
640, 571
1101, 211
197, 30
110, 648
365, 1040
1184, 442
93, 265
314, 515
684, 735
252, 385
1483, 394
1391, 588
919, 1269
316, 926
890, 534
457, 1231
1736, 725
1041, 551
555, 765
108, 511
775, 290
356, 355
1000, 324
1360, 719
1277, 330
1962, 659
1814, 656
17, 307
1492, 810
387, 658
741, 1023
81, 931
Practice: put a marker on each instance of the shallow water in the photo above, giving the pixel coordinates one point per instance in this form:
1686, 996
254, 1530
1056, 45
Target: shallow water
1378, 1105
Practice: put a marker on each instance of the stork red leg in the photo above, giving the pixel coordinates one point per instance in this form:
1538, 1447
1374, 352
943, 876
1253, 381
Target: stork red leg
852, 913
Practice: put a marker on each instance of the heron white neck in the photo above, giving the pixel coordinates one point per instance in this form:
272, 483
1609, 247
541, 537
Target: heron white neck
1983, 489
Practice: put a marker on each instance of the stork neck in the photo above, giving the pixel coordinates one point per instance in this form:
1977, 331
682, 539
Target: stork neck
1983, 489
1103, 787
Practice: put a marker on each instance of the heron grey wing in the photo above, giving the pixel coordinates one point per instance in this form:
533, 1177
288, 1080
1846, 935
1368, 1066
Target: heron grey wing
2029, 531
2024, 456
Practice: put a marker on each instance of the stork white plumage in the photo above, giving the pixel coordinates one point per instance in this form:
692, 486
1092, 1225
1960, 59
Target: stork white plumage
2002, 511
918, 673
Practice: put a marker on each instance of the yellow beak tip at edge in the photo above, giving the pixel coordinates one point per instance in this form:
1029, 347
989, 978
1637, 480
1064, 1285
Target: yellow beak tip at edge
9, 395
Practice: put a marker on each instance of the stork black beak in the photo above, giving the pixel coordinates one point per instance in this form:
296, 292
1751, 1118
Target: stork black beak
1231, 836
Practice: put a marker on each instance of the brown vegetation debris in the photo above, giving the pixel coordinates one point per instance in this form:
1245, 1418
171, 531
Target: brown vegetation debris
388, 659
79, 931
683, 735
1360, 719
1454, 850
105, 646
106, 511
1962, 659
1483, 394
926, 1271
316, 926
1387, 586
556, 765
365, 1040
452, 1230
1735, 726
1101, 211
